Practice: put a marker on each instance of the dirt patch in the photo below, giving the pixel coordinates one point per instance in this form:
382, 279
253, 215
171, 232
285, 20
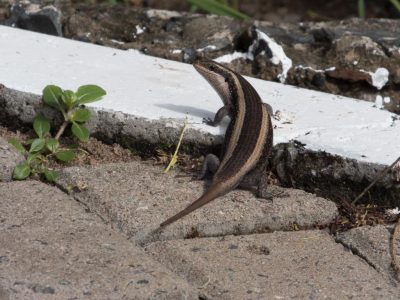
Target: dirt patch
8, 134
96, 152
91, 153
352, 216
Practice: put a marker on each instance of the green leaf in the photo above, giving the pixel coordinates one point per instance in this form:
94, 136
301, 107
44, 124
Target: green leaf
41, 126
17, 144
80, 131
50, 175
52, 96
69, 98
32, 157
52, 145
89, 93
65, 155
218, 8
81, 115
37, 145
22, 171
396, 4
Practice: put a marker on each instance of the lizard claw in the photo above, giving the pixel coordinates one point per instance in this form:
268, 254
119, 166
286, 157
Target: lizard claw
208, 121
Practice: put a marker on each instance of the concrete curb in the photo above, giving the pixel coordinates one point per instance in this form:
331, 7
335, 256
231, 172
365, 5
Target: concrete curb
333, 176
9, 159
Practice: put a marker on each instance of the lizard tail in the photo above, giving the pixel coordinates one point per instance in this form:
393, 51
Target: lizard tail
213, 192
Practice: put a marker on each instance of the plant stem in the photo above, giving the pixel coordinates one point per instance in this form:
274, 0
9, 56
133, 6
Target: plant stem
361, 9
379, 177
175, 156
61, 130
393, 248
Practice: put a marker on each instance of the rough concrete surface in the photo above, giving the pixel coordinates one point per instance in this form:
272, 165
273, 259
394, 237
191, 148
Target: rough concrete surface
372, 244
279, 265
51, 248
9, 159
135, 197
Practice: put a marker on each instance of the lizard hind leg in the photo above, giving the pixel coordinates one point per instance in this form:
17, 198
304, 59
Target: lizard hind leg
257, 181
210, 165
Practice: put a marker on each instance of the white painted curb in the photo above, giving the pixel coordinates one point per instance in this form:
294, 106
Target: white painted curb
155, 88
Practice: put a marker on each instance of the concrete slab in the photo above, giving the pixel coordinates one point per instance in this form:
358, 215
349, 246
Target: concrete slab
280, 265
51, 248
372, 244
136, 197
9, 159
154, 89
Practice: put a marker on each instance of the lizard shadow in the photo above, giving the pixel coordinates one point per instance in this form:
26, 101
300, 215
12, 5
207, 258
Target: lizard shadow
197, 112
186, 109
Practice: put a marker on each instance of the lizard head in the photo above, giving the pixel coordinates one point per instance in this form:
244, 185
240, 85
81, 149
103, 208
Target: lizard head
217, 76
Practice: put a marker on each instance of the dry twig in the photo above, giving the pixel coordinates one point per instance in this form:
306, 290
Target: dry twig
379, 177
393, 248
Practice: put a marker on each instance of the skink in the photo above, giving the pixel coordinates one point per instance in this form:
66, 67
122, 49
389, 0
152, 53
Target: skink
248, 139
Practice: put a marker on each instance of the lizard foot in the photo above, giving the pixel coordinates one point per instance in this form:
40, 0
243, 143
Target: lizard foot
267, 194
209, 121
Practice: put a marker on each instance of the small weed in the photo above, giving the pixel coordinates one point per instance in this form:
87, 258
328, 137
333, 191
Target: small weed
40, 150
219, 7
175, 156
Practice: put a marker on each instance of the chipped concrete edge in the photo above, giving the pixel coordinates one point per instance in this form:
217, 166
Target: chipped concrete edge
137, 133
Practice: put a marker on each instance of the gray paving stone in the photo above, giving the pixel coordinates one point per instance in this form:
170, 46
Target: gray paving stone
9, 159
372, 244
279, 265
137, 197
51, 248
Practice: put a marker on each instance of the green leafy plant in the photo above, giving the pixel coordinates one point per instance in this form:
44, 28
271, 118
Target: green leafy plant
40, 150
219, 7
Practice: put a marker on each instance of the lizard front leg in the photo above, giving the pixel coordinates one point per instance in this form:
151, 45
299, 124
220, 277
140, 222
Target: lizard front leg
212, 162
221, 113
269, 109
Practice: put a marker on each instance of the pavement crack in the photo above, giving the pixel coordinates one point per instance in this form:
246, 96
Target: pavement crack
377, 268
